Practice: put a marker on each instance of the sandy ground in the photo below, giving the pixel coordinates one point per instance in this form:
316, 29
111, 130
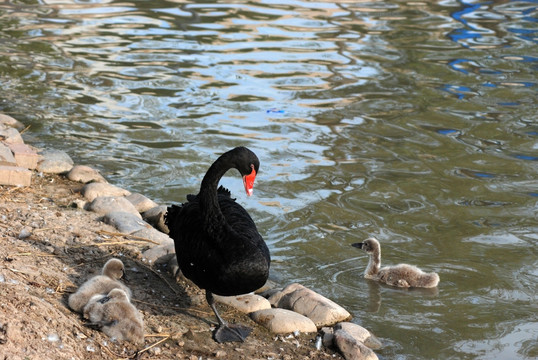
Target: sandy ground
48, 248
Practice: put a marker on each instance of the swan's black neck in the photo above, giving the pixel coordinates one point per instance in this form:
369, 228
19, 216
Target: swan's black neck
213, 217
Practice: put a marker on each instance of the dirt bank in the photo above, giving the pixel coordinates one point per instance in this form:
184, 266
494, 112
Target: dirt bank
48, 248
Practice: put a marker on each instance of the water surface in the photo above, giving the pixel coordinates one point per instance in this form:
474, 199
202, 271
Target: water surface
411, 121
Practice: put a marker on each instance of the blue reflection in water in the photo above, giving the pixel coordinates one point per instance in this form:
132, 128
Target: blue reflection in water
453, 64
526, 157
447, 131
456, 90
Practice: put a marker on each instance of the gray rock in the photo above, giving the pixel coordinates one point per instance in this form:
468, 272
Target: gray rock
351, 348
155, 217
85, 174
322, 311
153, 235
281, 321
160, 253
327, 334
140, 202
8, 121
124, 222
25, 233
10, 135
107, 204
360, 334
54, 162
95, 189
245, 303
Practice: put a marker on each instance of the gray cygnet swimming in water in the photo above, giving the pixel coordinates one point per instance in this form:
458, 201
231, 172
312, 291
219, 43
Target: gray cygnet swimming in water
402, 275
109, 279
116, 316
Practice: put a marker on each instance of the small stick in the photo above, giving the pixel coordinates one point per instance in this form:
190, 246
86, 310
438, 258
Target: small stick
110, 233
46, 229
25, 129
153, 345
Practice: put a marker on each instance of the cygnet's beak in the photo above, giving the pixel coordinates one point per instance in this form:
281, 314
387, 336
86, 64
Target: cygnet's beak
124, 277
358, 245
104, 300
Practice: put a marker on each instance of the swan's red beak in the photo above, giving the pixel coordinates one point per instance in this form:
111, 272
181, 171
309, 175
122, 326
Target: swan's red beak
248, 181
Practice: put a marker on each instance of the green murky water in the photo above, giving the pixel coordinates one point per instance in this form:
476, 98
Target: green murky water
415, 122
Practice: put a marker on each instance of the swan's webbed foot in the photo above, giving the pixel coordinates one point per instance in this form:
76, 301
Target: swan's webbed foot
226, 332
230, 333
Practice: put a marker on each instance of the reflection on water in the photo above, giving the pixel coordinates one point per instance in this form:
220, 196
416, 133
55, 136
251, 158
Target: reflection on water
414, 122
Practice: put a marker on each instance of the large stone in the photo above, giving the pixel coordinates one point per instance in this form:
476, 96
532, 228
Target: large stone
8, 121
14, 175
245, 303
351, 348
54, 162
160, 253
153, 235
155, 217
96, 189
281, 321
360, 334
85, 174
124, 222
322, 311
10, 135
6, 156
140, 202
25, 156
107, 204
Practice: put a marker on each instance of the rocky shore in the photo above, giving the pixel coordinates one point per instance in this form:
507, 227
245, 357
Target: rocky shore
60, 222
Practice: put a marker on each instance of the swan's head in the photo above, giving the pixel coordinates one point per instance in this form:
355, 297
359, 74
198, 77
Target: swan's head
114, 269
248, 165
369, 245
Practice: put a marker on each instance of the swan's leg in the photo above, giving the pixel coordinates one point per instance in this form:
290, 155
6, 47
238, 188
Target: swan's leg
226, 332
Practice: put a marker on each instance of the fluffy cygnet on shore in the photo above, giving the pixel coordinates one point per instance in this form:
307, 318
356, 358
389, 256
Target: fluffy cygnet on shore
100, 284
115, 316
402, 275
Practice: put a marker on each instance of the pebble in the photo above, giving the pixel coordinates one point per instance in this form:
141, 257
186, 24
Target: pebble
282, 321
245, 303
322, 311
124, 222
85, 174
54, 162
25, 233
95, 189
105, 204
140, 202
155, 217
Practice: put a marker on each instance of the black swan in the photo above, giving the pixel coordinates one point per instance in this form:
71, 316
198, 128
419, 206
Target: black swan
217, 244
402, 275
109, 279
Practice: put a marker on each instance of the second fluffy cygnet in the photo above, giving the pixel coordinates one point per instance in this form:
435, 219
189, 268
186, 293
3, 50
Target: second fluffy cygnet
116, 316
